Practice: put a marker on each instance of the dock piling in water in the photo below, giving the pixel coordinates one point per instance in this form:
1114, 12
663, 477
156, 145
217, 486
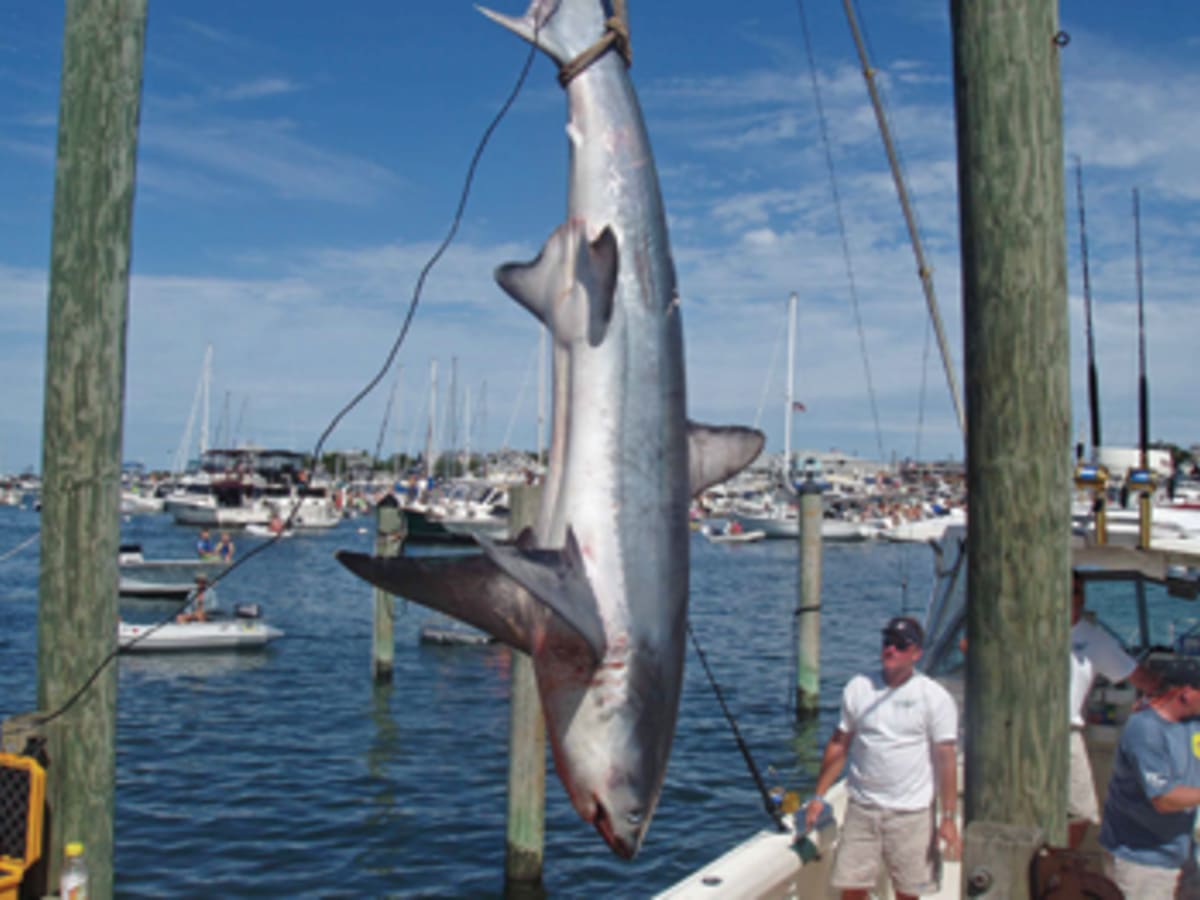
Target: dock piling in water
389, 543
526, 820
99, 107
808, 609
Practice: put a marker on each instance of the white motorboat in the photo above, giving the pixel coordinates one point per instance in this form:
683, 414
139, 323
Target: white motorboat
727, 535
266, 531
141, 577
235, 633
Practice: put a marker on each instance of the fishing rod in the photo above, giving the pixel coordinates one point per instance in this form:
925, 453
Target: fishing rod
1093, 377
769, 803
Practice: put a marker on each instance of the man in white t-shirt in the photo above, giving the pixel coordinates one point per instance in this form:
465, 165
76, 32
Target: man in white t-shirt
898, 731
1094, 651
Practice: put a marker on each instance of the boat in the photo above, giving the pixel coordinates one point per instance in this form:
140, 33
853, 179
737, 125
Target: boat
786, 861
140, 577
238, 632
266, 531
718, 535
453, 635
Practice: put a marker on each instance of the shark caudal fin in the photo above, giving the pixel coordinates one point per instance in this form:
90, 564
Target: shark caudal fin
570, 285
472, 589
716, 453
557, 579
563, 30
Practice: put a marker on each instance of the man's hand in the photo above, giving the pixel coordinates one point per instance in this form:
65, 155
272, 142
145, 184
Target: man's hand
948, 832
812, 812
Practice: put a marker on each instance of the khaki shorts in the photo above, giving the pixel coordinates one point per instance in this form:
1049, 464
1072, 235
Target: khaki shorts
904, 841
1082, 805
1143, 882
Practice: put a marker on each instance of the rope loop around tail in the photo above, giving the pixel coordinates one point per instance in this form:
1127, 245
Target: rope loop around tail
616, 35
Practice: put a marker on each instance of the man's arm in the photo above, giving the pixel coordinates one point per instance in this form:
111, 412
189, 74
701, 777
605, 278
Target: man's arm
1178, 799
945, 761
832, 762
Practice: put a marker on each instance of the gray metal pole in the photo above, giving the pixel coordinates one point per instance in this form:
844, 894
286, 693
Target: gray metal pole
88, 306
389, 542
526, 827
1015, 328
808, 610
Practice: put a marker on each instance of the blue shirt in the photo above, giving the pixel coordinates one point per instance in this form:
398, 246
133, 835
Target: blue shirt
1153, 757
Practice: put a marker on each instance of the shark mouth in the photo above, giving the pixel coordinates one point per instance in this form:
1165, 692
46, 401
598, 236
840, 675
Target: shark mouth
603, 823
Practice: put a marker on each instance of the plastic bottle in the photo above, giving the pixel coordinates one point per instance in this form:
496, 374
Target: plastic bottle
73, 882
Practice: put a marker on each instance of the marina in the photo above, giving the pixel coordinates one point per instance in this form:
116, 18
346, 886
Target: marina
385, 771
324, 783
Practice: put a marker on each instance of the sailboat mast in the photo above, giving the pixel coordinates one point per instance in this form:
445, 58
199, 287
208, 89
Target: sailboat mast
1093, 378
791, 390
1143, 389
429, 463
923, 269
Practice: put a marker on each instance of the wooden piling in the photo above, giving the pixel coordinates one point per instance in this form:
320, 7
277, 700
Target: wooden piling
808, 608
1010, 163
526, 825
389, 542
83, 414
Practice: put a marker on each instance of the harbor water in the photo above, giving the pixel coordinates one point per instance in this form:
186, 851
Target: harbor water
289, 773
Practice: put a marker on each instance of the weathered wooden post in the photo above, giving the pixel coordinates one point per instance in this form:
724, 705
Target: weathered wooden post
83, 415
808, 609
526, 739
1010, 163
389, 542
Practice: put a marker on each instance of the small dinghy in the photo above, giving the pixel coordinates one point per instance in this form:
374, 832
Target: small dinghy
266, 531
245, 630
141, 577
727, 536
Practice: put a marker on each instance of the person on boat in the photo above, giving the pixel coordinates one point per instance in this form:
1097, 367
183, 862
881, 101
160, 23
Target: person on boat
276, 523
204, 545
1150, 810
735, 526
204, 601
898, 730
225, 547
1094, 651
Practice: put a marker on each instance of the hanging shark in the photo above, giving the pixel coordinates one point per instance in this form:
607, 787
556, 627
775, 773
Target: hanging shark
597, 591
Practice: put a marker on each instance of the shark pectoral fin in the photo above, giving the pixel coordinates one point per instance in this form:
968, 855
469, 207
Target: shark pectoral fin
472, 589
716, 453
558, 580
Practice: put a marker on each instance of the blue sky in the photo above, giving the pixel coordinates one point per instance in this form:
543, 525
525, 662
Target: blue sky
299, 161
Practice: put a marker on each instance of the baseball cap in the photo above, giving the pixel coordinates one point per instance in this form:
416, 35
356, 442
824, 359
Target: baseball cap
906, 629
1178, 671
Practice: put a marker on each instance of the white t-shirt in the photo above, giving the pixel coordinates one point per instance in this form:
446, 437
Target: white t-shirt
1094, 652
890, 763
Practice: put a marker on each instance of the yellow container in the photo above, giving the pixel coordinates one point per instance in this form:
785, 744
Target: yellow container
10, 881
22, 802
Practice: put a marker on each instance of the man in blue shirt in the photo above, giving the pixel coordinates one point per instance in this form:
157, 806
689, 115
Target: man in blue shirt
1150, 811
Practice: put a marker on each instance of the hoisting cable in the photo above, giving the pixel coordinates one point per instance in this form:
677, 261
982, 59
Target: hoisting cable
356, 399
769, 803
841, 221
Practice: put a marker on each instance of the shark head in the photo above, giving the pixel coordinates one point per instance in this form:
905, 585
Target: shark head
562, 28
610, 730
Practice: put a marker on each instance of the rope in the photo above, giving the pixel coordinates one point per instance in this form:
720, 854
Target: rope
837, 202
616, 35
358, 398
768, 802
21, 546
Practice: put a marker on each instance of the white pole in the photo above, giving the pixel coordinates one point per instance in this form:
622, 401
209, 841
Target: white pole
791, 390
